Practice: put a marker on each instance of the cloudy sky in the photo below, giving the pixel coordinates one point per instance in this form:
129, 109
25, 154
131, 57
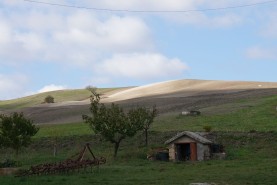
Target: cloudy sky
46, 47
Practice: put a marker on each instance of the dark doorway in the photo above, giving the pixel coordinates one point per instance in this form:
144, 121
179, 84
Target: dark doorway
183, 152
186, 152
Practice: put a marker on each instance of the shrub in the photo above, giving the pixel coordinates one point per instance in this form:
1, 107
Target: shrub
49, 99
253, 131
207, 128
9, 163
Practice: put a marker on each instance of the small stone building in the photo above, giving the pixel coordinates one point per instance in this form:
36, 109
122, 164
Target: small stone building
189, 146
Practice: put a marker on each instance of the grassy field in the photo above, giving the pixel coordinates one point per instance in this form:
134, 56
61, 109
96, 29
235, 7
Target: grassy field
262, 116
249, 135
251, 160
60, 130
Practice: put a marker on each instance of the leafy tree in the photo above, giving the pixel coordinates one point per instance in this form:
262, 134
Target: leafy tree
49, 99
112, 122
16, 131
145, 117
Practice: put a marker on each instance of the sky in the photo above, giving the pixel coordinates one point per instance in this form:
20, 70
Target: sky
46, 47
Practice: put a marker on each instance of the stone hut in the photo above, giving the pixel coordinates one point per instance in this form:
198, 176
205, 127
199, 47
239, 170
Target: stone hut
189, 146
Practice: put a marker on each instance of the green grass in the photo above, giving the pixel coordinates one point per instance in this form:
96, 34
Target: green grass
59, 96
141, 172
261, 117
60, 130
251, 160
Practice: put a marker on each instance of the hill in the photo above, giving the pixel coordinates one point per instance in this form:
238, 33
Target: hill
169, 97
184, 88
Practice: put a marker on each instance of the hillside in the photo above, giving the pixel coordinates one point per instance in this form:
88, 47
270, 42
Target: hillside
75, 96
170, 97
184, 88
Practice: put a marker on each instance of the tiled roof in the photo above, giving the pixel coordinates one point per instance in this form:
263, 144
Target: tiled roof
192, 135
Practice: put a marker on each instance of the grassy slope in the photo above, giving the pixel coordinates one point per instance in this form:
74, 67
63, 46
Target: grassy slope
59, 96
261, 117
251, 157
60, 130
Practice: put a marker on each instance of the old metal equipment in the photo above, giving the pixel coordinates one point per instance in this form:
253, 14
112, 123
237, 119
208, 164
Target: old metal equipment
72, 164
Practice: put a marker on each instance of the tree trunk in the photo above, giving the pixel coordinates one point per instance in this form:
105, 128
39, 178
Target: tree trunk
55, 147
55, 150
146, 137
16, 152
116, 146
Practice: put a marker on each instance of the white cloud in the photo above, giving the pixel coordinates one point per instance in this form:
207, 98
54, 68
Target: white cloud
84, 37
142, 66
12, 86
51, 87
5, 32
257, 52
113, 34
78, 38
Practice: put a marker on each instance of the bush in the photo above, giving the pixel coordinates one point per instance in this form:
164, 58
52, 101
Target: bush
9, 163
49, 99
207, 128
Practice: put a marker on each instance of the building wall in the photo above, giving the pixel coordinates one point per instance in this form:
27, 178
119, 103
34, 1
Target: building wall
171, 152
203, 151
200, 151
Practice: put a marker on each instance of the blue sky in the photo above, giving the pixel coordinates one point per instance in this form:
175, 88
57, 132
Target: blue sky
45, 47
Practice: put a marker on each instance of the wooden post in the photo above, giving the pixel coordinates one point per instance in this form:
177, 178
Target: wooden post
193, 152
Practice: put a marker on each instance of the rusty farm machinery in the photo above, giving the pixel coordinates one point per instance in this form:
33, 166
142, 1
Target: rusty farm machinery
72, 164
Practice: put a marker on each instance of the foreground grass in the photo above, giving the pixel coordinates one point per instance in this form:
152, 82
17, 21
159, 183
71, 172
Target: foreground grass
144, 172
251, 160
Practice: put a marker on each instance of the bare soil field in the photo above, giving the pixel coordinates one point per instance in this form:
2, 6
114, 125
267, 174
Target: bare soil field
169, 97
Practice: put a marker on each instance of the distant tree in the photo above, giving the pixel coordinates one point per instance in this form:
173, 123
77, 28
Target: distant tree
112, 122
145, 117
16, 131
92, 89
49, 99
